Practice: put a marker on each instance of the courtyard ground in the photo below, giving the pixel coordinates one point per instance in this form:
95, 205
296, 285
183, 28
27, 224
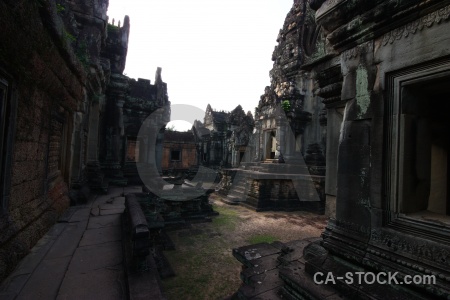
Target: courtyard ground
203, 262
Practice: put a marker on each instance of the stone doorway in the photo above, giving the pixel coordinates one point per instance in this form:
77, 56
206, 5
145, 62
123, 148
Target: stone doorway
241, 155
271, 145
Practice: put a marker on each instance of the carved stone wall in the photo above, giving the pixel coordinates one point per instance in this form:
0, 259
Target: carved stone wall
61, 83
385, 63
47, 85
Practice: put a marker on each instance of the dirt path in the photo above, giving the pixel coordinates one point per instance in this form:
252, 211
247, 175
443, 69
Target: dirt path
203, 258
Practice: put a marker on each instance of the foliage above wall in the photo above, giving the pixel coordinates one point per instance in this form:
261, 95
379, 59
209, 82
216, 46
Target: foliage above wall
286, 105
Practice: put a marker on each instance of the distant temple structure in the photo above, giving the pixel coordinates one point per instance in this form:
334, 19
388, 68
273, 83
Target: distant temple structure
222, 138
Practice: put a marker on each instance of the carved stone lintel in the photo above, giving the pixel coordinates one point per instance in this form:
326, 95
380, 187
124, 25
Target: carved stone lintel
436, 17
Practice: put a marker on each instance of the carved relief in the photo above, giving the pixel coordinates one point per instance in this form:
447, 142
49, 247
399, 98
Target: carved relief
328, 5
353, 227
357, 51
419, 24
419, 248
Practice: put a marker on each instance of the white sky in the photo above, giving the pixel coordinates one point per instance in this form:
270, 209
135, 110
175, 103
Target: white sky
210, 51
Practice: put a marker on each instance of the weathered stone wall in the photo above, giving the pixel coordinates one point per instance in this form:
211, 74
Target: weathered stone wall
61, 82
48, 85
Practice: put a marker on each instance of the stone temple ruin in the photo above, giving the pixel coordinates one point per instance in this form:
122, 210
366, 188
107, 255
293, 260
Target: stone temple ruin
354, 124
377, 71
70, 118
284, 167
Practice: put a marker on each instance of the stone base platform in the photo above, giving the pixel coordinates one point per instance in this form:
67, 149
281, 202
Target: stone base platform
276, 187
303, 269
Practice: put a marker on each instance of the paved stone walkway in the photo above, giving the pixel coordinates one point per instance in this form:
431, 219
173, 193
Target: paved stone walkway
81, 257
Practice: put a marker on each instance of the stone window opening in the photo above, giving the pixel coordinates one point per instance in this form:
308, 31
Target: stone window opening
59, 147
424, 143
8, 106
175, 155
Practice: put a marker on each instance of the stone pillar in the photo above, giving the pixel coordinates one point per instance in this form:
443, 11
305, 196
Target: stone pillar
143, 158
159, 150
95, 175
116, 99
257, 141
92, 146
77, 144
289, 141
281, 134
234, 159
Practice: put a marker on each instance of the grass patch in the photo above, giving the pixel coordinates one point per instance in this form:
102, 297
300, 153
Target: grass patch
227, 218
262, 238
204, 268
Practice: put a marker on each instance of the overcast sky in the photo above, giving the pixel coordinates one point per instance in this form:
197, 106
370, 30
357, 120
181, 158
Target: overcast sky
210, 51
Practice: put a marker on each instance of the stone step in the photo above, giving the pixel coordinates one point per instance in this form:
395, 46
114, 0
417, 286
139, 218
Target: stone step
239, 190
284, 169
261, 284
260, 272
294, 278
260, 267
230, 199
256, 168
240, 195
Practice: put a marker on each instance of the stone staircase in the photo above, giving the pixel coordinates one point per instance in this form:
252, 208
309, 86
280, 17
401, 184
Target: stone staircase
239, 189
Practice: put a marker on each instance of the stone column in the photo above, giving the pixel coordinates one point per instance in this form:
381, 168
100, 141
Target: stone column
94, 172
159, 150
256, 141
77, 144
92, 146
234, 158
281, 134
113, 163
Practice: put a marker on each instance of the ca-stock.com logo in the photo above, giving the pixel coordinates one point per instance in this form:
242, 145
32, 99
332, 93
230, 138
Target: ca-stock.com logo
149, 133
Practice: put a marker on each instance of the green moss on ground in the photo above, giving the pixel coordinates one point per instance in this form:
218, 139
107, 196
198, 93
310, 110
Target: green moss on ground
203, 262
261, 238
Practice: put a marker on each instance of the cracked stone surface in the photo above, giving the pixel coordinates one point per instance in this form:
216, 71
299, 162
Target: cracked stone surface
101, 235
79, 258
